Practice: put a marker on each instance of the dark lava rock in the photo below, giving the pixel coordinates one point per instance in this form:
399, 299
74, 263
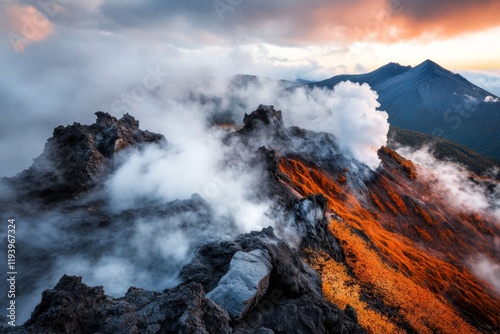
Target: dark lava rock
78, 157
73, 307
291, 302
267, 118
263, 127
288, 297
311, 222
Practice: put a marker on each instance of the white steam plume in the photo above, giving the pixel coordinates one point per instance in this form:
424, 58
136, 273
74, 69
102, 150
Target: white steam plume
454, 182
485, 268
349, 111
196, 161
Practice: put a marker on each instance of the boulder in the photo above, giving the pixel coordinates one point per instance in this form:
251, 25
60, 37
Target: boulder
244, 284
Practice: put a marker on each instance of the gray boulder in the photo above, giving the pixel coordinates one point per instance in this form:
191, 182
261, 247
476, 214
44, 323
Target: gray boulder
245, 283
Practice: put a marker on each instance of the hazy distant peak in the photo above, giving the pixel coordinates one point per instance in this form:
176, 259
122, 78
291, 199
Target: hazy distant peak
430, 67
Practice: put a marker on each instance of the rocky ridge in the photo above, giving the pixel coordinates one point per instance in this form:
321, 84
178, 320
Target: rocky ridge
356, 227
78, 157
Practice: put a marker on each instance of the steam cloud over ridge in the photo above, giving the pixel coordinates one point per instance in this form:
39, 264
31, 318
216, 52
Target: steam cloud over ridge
464, 194
454, 182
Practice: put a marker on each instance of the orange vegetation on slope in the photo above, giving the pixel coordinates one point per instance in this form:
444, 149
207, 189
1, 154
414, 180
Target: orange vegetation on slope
342, 290
402, 274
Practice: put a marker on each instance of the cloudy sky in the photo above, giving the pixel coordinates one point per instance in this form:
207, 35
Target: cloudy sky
64, 59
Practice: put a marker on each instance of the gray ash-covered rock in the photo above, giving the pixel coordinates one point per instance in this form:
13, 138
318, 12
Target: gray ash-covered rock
246, 281
293, 302
77, 157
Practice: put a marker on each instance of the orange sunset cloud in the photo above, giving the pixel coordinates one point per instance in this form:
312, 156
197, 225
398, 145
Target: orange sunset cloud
440, 19
25, 25
379, 20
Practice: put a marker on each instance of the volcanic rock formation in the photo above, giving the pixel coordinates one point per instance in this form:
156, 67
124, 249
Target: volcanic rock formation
351, 250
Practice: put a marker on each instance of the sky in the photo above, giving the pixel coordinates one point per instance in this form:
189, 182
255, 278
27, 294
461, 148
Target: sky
62, 60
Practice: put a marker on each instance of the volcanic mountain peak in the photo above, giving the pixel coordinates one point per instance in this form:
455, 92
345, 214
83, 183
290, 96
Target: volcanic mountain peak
266, 115
78, 156
373, 78
429, 71
431, 99
389, 70
429, 64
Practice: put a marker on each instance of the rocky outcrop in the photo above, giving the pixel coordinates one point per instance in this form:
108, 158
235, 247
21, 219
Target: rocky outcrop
293, 301
73, 307
267, 119
263, 127
78, 157
312, 224
266, 289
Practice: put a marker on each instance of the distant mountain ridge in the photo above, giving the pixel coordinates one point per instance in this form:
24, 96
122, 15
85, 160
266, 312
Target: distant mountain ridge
431, 99
442, 149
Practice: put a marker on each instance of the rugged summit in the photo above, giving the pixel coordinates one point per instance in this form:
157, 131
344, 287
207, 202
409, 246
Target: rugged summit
77, 157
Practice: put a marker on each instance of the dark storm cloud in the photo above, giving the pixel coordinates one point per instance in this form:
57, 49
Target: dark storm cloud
195, 22
422, 10
280, 22
306, 22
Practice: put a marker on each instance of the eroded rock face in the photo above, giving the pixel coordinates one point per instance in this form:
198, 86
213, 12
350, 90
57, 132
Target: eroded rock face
263, 127
78, 157
312, 225
244, 284
265, 116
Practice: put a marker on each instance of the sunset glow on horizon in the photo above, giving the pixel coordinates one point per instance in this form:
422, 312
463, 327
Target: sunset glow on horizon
323, 35
89, 52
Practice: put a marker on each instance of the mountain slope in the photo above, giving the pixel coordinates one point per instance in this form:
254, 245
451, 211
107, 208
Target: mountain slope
373, 78
442, 149
430, 99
